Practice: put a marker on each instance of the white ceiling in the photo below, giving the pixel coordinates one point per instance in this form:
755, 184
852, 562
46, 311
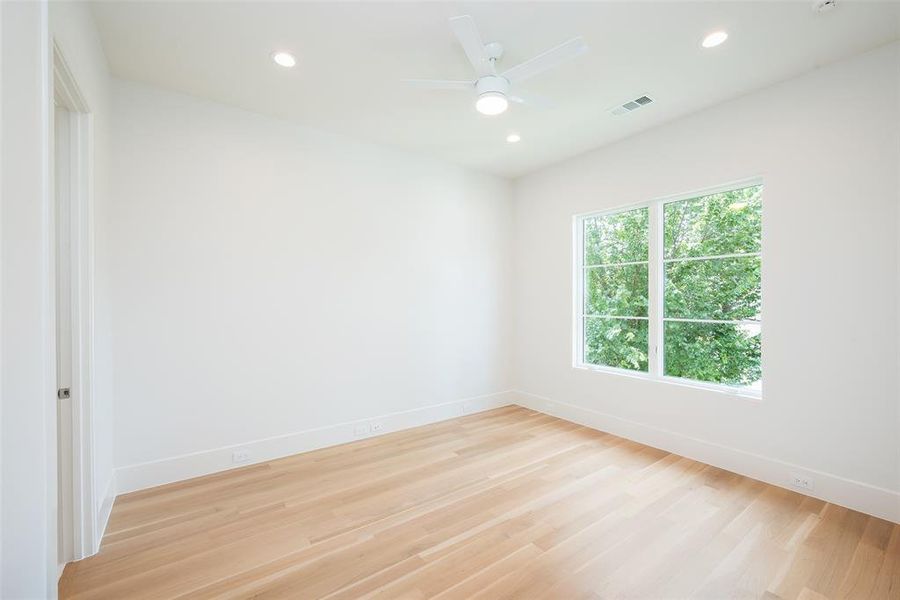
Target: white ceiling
352, 56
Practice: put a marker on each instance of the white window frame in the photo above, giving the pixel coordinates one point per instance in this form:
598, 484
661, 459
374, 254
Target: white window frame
656, 286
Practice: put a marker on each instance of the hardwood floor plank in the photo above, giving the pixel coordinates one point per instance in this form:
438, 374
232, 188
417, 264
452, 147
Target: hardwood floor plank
509, 503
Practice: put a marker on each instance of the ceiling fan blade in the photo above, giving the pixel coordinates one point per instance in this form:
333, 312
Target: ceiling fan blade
440, 84
466, 32
532, 101
547, 60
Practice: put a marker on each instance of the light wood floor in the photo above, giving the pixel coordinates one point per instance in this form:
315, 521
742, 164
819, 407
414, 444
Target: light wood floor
504, 504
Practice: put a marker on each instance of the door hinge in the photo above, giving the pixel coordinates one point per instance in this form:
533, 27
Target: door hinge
63, 393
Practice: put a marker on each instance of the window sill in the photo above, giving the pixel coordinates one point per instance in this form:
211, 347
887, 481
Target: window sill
728, 390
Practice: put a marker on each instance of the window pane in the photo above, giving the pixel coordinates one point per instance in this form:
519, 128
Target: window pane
617, 238
725, 223
714, 352
719, 288
617, 291
618, 343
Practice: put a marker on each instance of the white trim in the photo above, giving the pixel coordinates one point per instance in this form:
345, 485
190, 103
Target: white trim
656, 290
709, 191
2, 296
613, 210
857, 495
737, 391
105, 509
613, 317
149, 474
734, 391
578, 299
85, 504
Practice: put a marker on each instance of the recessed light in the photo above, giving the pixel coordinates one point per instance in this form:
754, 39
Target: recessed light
491, 103
284, 59
513, 138
714, 39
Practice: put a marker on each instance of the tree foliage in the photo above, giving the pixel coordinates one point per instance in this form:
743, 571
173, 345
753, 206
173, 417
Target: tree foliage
616, 343
613, 289
695, 287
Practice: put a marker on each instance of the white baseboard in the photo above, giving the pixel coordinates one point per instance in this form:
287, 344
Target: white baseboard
859, 496
150, 474
104, 511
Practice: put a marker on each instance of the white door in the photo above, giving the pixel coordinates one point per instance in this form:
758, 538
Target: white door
62, 187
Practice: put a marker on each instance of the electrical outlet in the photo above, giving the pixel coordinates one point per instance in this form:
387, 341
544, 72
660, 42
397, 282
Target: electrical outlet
361, 429
804, 482
377, 426
240, 456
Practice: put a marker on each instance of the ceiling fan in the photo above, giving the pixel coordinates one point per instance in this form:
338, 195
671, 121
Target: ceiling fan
490, 86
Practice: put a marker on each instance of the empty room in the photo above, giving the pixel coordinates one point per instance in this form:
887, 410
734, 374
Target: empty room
431, 299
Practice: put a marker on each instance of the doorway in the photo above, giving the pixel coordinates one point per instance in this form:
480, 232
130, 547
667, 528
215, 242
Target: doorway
71, 138
64, 450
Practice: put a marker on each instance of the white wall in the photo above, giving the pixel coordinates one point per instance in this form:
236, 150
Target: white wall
72, 29
828, 147
269, 279
28, 448
27, 438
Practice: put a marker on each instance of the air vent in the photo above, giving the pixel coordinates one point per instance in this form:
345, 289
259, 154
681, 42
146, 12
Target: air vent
821, 6
631, 105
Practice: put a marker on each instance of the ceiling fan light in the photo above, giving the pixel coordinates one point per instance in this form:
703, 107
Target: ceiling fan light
714, 39
491, 103
284, 59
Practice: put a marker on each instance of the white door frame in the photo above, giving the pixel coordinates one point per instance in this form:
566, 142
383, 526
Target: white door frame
86, 533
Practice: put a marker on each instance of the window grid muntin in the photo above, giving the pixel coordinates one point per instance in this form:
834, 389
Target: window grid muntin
712, 257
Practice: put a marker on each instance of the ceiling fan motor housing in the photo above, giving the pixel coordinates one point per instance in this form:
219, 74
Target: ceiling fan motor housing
492, 83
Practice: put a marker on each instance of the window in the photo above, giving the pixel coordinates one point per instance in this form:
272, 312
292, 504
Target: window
673, 289
616, 300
